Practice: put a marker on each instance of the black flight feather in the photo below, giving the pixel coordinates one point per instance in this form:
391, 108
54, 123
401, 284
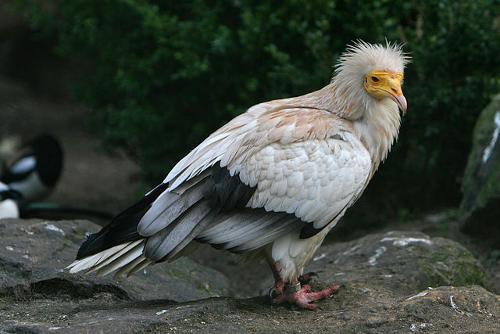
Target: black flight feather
221, 191
123, 228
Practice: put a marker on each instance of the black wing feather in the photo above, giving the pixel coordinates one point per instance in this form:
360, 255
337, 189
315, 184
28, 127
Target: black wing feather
222, 191
123, 228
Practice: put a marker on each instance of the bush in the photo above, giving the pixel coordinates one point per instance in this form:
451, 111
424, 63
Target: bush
162, 75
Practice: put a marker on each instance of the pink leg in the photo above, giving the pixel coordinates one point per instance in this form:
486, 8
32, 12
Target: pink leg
279, 284
302, 296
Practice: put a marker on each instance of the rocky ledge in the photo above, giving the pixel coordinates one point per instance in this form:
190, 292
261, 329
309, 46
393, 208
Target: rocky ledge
395, 282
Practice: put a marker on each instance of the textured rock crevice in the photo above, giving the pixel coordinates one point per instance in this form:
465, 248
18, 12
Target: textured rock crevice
34, 253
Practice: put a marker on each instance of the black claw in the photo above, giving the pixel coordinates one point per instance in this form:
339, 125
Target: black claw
306, 278
273, 293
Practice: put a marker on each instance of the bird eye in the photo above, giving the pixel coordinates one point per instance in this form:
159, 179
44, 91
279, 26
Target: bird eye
375, 79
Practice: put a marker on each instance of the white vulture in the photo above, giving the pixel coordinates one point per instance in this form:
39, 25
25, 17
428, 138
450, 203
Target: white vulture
273, 181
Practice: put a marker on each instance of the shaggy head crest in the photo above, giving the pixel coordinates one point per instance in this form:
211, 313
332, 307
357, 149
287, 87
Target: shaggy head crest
354, 64
362, 58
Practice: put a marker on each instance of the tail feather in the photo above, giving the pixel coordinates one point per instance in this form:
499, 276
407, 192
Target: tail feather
120, 246
89, 262
106, 261
156, 211
123, 260
134, 266
122, 229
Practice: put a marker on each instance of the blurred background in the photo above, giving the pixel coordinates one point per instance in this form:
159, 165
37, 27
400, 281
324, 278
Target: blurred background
129, 87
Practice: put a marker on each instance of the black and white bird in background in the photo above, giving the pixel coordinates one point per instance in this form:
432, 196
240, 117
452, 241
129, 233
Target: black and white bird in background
31, 175
35, 170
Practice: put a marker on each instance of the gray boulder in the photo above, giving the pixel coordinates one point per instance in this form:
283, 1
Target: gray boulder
396, 282
480, 207
34, 253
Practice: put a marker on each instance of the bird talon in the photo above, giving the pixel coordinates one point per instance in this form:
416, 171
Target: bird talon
306, 278
293, 288
274, 293
303, 296
307, 288
277, 289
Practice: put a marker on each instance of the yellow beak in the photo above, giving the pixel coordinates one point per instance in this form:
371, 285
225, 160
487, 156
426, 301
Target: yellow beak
393, 87
382, 84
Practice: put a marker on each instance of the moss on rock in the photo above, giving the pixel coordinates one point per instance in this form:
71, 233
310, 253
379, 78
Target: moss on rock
452, 264
482, 174
480, 207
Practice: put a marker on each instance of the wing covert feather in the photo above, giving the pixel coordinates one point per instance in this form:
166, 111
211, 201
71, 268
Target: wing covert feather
314, 179
303, 161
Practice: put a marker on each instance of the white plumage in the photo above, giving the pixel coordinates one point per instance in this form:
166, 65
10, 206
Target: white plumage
275, 179
9, 207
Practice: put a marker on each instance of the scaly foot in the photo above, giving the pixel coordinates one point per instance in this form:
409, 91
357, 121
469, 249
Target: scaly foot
303, 296
279, 286
277, 289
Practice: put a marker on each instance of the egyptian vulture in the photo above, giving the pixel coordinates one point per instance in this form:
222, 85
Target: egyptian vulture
273, 181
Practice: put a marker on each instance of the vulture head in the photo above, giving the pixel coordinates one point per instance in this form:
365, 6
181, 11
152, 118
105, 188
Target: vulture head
370, 75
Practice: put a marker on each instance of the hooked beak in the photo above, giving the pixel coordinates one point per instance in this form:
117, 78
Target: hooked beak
381, 84
401, 102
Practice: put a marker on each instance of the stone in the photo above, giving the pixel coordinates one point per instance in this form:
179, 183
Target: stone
394, 282
34, 253
402, 262
480, 207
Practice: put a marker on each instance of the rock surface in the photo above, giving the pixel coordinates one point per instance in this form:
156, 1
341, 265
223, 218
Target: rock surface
395, 282
481, 183
34, 253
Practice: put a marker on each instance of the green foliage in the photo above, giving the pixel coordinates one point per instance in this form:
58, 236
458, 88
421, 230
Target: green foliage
162, 75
